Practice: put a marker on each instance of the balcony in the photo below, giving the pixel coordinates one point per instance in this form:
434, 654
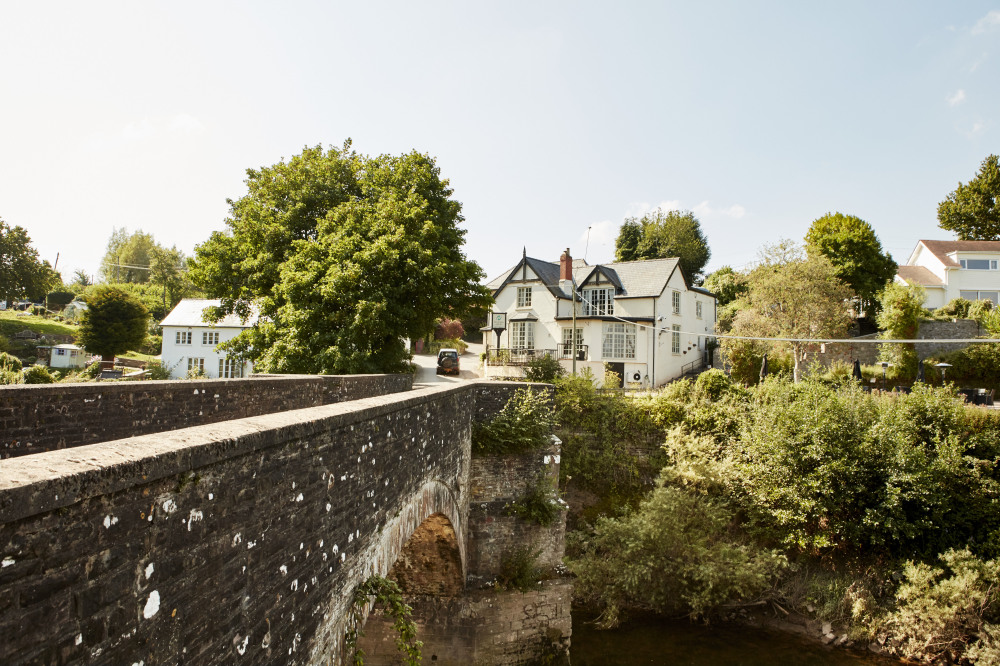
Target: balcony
566, 351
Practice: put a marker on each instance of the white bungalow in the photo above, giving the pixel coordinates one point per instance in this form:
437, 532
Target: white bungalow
190, 342
954, 269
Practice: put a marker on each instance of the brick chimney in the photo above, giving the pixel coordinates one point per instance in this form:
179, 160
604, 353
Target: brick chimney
566, 266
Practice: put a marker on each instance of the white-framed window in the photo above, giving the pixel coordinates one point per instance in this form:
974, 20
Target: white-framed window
598, 302
210, 338
973, 295
567, 342
524, 297
675, 339
183, 338
619, 340
197, 364
675, 300
522, 335
697, 309
229, 368
978, 264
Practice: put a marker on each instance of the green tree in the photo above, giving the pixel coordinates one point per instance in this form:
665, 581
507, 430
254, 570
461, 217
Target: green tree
856, 253
661, 234
22, 273
166, 272
726, 284
973, 210
902, 308
114, 322
792, 295
343, 256
128, 256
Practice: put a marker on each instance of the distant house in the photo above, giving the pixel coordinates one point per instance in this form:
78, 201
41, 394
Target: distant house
954, 269
639, 319
64, 356
190, 342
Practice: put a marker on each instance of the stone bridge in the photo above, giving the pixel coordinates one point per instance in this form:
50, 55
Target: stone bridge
229, 532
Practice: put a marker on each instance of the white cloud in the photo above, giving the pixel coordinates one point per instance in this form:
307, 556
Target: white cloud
988, 22
601, 233
735, 211
977, 127
957, 98
703, 209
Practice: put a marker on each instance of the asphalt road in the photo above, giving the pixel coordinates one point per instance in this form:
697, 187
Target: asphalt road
469, 367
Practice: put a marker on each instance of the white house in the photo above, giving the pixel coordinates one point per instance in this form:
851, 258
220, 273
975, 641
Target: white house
639, 318
953, 269
190, 342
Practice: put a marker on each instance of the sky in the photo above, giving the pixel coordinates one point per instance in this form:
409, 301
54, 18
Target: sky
553, 121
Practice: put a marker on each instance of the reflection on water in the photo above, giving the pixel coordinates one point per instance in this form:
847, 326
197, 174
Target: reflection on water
657, 641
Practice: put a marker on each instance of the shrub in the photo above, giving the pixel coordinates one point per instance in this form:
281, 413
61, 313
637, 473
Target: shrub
944, 609
539, 505
449, 329
37, 374
437, 345
9, 362
956, 308
92, 371
624, 563
10, 376
153, 345
59, 299
156, 371
524, 423
544, 369
519, 569
713, 384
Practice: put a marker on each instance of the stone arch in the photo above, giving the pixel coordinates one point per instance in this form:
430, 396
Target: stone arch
430, 563
430, 514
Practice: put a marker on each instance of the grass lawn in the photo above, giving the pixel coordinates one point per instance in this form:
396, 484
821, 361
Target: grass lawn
11, 323
148, 358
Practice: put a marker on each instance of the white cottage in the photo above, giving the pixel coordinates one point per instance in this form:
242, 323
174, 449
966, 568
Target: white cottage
190, 342
954, 269
67, 356
639, 319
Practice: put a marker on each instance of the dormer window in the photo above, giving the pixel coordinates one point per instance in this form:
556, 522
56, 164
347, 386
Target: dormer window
978, 264
598, 302
524, 297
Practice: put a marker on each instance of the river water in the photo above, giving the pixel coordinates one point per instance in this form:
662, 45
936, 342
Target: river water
653, 640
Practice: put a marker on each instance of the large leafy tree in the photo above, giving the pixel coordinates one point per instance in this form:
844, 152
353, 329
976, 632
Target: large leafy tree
792, 295
659, 234
343, 255
856, 253
114, 322
22, 273
128, 256
973, 210
728, 286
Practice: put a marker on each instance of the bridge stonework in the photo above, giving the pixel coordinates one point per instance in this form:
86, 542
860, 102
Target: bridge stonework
239, 541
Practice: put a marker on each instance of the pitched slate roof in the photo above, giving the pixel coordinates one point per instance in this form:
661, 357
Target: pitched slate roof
189, 312
941, 249
635, 279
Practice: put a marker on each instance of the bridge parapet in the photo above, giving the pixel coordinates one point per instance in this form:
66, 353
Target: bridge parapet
37, 418
238, 541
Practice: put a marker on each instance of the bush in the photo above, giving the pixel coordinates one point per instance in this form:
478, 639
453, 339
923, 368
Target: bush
437, 345
956, 308
37, 374
713, 384
544, 369
519, 570
9, 362
9, 376
676, 554
153, 346
157, 372
539, 505
524, 423
944, 609
92, 371
449, 329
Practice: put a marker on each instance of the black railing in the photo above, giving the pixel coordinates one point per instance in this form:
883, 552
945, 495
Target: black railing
566, 351
516, 356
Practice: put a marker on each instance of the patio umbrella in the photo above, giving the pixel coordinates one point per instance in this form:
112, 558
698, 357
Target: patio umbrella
920, 371
763, 368
856, 371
